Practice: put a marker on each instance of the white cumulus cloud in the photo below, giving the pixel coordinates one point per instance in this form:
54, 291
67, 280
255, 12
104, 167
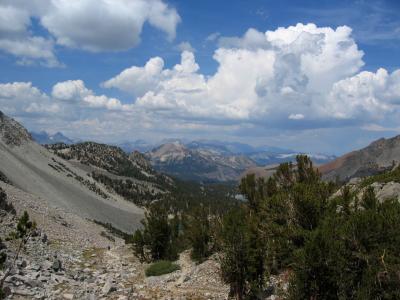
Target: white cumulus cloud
366, 94
21, 98
298, 77
138, 80
17, 40
68, 99
98, 25
70, 90
93, 25
261, 78
76, 91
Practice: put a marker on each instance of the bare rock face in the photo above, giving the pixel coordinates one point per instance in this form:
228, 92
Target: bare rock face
11, 132
390, 190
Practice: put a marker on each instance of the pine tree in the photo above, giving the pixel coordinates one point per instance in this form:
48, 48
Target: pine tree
369, 200
139, 245
199, 233
234, 264
157, 232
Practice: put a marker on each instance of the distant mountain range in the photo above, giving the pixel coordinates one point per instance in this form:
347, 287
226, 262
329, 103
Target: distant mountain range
265, 158
138, 145
191, 162
219, 161
45, 138
220, 146
233, 147
207, 160
201, 160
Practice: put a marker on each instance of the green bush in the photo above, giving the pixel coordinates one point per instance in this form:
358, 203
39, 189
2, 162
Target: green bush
161, 267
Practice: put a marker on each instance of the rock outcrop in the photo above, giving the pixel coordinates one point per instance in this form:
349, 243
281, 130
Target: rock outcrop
11, 132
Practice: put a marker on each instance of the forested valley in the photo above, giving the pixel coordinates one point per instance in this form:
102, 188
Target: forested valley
328, 240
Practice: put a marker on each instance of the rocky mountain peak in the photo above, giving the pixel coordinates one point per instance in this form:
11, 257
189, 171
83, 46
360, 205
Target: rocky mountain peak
45, 138
11, 132
170, 151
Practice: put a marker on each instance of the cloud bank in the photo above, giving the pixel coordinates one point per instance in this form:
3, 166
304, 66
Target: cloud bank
303, 74
294, 78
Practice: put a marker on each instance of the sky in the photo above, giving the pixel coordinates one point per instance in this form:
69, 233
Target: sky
313, 76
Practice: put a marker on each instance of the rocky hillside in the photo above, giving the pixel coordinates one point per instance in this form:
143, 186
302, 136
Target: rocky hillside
110, 158
69, 257
379, 156
12, 133
198, 163
69, 191
141, 161
130, 176
35, 170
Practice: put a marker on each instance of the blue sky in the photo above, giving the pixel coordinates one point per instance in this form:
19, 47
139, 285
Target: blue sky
216, 69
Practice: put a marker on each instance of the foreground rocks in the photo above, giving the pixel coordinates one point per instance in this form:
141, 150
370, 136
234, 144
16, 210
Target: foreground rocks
106, 274
72, 258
